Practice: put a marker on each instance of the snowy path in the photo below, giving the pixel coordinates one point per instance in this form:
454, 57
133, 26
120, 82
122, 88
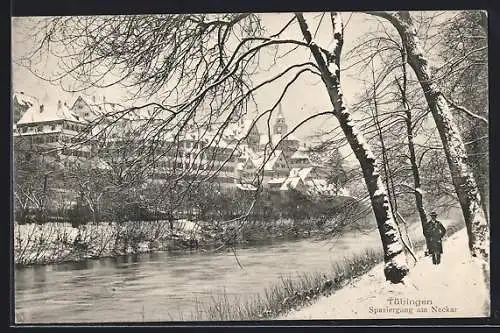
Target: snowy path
456, 288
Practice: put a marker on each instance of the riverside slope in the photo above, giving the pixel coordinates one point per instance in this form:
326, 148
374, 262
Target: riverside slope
456, 288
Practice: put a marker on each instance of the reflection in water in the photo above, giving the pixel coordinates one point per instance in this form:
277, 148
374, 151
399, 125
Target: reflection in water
40, 275
159, 286
72, 266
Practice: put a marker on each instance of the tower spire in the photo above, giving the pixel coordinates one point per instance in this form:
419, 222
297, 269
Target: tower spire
280, 127
280, 111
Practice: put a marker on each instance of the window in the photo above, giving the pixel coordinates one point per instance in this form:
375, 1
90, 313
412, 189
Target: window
53, 127
25, 129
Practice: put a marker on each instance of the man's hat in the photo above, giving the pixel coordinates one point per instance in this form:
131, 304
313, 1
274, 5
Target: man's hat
434, 214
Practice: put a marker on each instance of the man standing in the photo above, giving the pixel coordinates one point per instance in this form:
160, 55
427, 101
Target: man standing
434, 233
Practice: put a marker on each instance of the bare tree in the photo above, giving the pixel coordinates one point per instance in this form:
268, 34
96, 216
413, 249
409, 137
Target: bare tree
91, 183
198, 70
329, 66
456, 154
464, 80
36, 178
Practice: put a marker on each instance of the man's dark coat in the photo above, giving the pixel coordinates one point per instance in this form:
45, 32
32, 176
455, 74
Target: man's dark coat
434, 233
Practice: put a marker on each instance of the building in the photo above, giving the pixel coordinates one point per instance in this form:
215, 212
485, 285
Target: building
51, 129
239, 156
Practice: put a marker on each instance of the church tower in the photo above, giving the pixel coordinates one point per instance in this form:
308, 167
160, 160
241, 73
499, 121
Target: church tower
280, 127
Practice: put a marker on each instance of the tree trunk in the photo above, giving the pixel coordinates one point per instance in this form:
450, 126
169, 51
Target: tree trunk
480, 164
171, 221
456, 154
43, 201
419, 202
396, 267
385, 162
481, 171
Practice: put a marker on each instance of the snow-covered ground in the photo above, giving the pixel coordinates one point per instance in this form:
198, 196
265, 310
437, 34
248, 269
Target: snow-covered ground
456, 288
56, 242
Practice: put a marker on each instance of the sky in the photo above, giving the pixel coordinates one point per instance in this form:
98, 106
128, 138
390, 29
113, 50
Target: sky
305, 93
306, 97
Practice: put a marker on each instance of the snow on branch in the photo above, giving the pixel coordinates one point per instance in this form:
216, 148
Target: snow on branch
463, 109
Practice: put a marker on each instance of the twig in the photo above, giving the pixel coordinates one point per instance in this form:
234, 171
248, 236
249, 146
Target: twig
463, 109
237, 260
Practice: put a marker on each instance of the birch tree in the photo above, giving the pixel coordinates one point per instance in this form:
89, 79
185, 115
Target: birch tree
456, 154
395, 261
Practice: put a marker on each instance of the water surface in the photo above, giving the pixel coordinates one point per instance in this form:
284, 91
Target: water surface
160, 286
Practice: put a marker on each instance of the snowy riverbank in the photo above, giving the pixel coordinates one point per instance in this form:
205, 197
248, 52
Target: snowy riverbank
60, 242
456, 288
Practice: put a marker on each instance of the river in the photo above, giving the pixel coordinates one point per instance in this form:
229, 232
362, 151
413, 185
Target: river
161, 286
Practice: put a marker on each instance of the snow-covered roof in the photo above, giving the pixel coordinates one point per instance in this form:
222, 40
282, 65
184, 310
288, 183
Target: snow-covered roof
24, 100
343, 192
303, 173
271, 160
300, 154
276, 180
240, 166
226, 144
246, 187
321, 186
38, 113
248, 163
239, 130
291, 183
246, 151
317, 182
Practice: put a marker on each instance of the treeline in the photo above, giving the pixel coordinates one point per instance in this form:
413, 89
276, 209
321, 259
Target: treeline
204, 203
